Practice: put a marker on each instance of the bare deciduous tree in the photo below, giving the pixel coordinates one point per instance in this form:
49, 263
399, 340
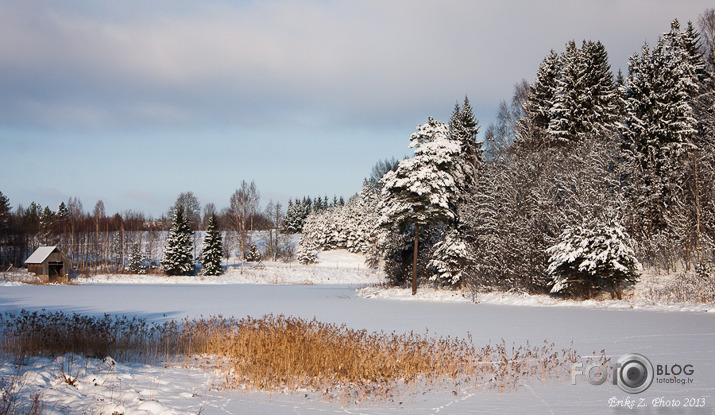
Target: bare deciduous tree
706, 23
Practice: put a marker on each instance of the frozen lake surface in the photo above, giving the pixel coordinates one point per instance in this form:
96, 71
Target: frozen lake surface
665, 338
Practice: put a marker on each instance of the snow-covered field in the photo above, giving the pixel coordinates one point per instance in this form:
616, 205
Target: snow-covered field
334, 267
686, 337
516, 299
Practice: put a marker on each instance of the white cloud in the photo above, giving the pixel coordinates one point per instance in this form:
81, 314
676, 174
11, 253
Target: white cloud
118, 63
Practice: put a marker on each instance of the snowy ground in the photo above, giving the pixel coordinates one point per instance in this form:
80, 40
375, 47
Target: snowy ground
334, 267
515, 299
684, 338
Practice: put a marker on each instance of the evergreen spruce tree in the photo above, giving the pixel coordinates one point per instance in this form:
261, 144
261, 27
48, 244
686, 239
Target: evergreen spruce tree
659, 126
47, 226
212, 251
482, 219
447, 259
62, 212
307, 252
602, 96
620, 102
464, 128
585, 99
253, 254
591, 258
136, 259
532, 128
295, 215
117, 251
566, 112
5, 214
178, 258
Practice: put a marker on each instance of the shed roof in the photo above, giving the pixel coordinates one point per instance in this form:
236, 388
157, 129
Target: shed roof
41, 254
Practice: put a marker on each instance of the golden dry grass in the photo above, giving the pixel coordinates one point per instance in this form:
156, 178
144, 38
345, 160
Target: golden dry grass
280, 353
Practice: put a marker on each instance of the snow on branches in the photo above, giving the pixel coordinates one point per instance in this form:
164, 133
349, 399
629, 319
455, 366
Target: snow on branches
178, 258
213, 249
422, 188
593, 257
447, 259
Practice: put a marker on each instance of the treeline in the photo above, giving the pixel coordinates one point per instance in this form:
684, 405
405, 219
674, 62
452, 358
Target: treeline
89, 239
99, 242
585, 178
299, 209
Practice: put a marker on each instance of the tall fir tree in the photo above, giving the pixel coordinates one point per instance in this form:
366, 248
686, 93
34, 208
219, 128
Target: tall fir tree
213, 249
62, 212
5, 215
532, 127
659, 126
585, 99
602, 97
448, 257
566, 111
178, 257
136, 259
464, 128
47, 226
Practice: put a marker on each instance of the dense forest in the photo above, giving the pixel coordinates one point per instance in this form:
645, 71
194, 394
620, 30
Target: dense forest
586, 178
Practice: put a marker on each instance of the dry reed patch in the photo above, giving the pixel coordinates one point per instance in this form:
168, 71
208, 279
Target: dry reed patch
279, 353
685, 287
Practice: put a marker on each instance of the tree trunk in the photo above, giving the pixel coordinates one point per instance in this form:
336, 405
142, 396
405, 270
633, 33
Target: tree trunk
414, 261
696, 192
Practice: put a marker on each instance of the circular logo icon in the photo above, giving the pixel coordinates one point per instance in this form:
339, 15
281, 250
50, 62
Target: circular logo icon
634, 374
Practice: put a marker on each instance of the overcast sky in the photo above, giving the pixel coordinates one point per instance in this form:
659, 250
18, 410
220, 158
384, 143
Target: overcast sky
133, 102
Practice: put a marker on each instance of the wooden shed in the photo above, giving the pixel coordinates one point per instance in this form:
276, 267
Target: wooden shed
48, 263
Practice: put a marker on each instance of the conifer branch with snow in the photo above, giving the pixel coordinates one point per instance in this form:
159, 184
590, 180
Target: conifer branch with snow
593, 257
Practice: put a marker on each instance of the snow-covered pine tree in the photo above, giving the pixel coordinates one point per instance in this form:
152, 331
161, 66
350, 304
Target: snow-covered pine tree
117, 250
447, 259
698, 193
295, 215
585, 97
192, 209
348, 226
602, 96
593, 257
253, 254
364, 214
421, 190
567, 112
658, 128
136, 260
307, 253
481, 219
463, 128
178, 258
212, 251
532, 128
